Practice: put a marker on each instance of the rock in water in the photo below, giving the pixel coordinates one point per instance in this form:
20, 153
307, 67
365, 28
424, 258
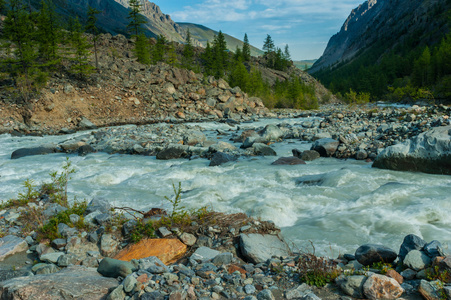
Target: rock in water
220, 158
41, 150
411, 242
429, 152
258, 248
74, 282
370, 253
289, 161
325, 147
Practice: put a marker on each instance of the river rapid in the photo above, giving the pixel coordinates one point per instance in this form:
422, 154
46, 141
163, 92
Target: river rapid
336, 205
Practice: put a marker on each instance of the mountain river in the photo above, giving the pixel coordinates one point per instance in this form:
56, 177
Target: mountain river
343, 204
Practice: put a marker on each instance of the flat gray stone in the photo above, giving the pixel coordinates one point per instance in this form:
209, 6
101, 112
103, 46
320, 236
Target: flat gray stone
203, 254
153, 264
110, 267
10, 245
352, 285
74, 282
417, 260
372, 253
51, 257
258, 248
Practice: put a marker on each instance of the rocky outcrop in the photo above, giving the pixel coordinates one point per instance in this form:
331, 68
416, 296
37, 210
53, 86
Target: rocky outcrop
430, 152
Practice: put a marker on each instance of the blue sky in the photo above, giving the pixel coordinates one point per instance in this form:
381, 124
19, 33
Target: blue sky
305, 25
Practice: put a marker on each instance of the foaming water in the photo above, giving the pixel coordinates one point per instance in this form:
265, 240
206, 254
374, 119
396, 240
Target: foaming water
334, 204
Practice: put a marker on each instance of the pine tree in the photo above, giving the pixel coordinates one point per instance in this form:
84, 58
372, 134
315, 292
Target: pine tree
246, 49
188, 52
92, 28
268, 45
136, 19
221, 55
208, 59
48, 34
158, 53
286, 53
171, 55
142, 49
80, 45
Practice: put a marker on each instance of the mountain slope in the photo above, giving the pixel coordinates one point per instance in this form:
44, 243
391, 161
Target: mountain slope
381, 44
204, 34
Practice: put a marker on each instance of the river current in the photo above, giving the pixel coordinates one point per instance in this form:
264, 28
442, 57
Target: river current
340, 205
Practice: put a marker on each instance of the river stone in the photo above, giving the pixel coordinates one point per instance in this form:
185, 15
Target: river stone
45, 269
352, 285
188, 239
173, 151
317, 179
98, 204
266, 294
325, 147
108, 245
86, 124
417, 260
371, 253
289, 161
153, 265
411, 242
74, 282
220, 158
41, 150
382, 287
203, 254
361, 155
258, 248
431, 290
310, 155
434, 249
223, 259
117, 294
110, 267
429, 152
68, 259
194, 137
51, 257
272, 133
85, 150
262, 149
129, 283
10, 245
303, 291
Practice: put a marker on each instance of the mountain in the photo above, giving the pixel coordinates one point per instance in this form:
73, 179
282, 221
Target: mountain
385, 38
204, 34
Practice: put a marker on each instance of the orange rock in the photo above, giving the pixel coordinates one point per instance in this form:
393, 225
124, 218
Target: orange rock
167, 250
395, 275
233, 268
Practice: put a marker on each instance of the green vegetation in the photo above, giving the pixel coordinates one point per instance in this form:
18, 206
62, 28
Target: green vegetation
317, 271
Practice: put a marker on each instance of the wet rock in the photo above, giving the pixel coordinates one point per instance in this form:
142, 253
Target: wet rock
410, 242
431, 290
289, 161
417, 260
98, 204
41, 150
110, 267
220, 158
325, 147
408, 274
173, 151
361, 155
167, 250
194, 137
272, 133
85, 150
310, 155
429, 152
371, 253
352, 285
433, 249
75, 282
10, 245
262, 149
382, 287
258, 248
395, 275
317, 179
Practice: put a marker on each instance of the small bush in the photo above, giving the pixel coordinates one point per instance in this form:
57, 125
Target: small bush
317, 271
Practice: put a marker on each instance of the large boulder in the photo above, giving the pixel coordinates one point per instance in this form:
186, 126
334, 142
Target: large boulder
417, 260
258, 248
291, 160
41, 150
173, 151
220, 158
429, 152
10, 245
74, 282
371, 253
382, 287
325, 147
352, 285
410, 242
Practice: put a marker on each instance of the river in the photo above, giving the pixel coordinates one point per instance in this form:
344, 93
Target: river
344, 204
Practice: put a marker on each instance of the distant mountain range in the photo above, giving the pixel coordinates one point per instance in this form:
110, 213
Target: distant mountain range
113, 19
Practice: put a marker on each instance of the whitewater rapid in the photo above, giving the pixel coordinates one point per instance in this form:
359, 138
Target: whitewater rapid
347, 205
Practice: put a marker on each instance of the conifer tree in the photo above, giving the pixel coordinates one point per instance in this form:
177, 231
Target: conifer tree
207, 59
286, 53
142, 49
159, 49
92, 28
221, 56
171, 55
136, 19
80, 45
48, 33
188, 52
268, 45
246, 49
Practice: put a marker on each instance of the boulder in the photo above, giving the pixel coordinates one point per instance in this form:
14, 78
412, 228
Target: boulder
382, 287
194, 137
272, 133
98, 204
258, 248
173, 151
371, 253
262, 149
292, 160
434, 249
220, 158
167, 250
445, 266
74, 282
10, 245
352, 285
108, 245
41, 150
431, 290
153, 265
325, 147
310, 155
429, 152
417, 260
110, 267
203, 254
410, 242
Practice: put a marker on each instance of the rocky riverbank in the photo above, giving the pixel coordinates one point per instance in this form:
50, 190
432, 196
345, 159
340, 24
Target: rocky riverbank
205, 255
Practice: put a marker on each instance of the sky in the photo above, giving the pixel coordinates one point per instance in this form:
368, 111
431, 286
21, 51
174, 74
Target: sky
305, 25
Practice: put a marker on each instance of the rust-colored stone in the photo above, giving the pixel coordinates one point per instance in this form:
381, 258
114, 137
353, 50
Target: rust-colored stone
382, 287
142, 278
167, 250
395, 275
233, 268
